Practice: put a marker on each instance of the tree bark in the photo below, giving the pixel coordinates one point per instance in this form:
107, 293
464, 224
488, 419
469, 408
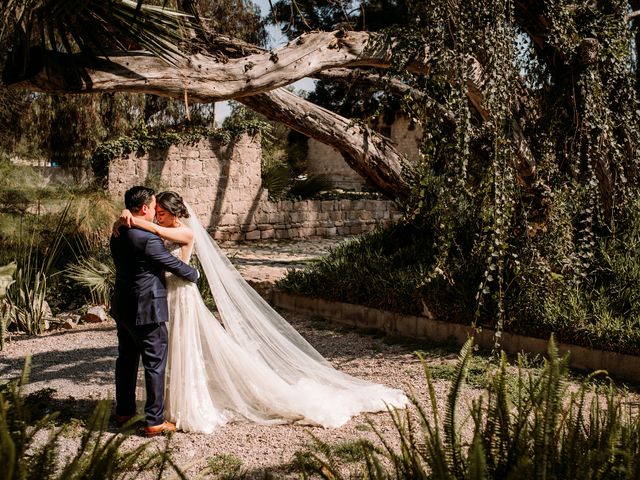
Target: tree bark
367, 152
204, 78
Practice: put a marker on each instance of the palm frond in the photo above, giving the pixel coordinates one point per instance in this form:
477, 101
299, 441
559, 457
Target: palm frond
97, 276
92, 27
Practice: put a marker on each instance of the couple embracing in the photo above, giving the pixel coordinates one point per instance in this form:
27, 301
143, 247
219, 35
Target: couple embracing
201, 373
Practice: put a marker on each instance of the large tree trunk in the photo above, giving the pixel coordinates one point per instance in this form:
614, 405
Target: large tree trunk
367, 152
204, 78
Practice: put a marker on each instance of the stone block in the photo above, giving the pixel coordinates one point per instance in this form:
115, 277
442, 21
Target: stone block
365, 215
284, 233
345, 205
327, 205
253, 235
228, 219
240, 207
306, 304
353, 315
267, 234
283, 300
331, 310
619, 365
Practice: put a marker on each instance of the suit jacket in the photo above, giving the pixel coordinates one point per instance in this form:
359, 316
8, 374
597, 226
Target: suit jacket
140, 258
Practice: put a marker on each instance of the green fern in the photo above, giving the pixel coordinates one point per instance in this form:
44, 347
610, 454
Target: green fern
537, 430
100, 455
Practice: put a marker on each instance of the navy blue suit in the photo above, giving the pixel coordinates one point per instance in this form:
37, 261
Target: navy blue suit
139, 306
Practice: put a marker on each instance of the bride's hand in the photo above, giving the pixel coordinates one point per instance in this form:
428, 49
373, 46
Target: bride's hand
126, 218
116, 228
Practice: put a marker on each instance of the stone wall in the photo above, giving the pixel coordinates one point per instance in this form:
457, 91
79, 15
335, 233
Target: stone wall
303, 219
327, 161
222, 183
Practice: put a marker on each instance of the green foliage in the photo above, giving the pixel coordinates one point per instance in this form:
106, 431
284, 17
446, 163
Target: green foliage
407, 266
383, 269
26, 295
276, 180
95, 275
542, 429
100, 455
46, 231
224, 466
307, 186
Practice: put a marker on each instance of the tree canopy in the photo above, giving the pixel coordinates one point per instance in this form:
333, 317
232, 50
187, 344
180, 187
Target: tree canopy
529, 107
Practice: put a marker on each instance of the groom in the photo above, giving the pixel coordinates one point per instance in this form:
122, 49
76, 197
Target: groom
139, 306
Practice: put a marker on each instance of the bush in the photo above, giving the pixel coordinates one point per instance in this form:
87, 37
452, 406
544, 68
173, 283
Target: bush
541, 429
380, 269
547, 283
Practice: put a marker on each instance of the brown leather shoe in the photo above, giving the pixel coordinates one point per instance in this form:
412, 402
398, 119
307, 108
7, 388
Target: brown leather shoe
159, 429
122, 419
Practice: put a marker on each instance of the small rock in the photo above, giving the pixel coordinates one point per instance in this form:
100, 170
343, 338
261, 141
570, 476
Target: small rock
95, 314
67, 320
67, 324
46, 310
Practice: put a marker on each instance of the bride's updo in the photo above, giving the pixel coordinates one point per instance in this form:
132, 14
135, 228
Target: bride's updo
172, 203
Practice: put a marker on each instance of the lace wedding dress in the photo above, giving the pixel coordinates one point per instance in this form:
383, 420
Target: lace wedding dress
257, 367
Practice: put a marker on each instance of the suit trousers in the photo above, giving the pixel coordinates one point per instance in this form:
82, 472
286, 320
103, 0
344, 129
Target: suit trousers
149, 342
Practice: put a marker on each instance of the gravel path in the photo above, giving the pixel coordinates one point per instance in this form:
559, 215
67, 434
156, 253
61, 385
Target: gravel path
79, 365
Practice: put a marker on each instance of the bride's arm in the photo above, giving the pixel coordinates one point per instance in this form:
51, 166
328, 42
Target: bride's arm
181, 234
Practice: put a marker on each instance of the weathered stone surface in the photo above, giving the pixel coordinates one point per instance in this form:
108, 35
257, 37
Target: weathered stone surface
95, 314
222, 184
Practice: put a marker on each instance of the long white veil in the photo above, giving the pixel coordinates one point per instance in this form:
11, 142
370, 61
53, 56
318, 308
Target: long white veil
258, 328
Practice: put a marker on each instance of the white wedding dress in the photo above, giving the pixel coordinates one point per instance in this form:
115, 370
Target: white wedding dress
257, 367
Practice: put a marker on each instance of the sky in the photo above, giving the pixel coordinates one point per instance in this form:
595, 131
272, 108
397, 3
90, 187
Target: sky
276, 39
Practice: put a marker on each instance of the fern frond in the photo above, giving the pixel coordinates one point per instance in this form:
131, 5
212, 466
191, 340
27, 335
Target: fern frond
451, 436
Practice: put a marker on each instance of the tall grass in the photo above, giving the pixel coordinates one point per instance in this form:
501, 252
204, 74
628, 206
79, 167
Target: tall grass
542, 429
34, 265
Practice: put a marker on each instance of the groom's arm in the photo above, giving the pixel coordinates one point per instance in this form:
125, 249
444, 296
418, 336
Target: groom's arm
156, 252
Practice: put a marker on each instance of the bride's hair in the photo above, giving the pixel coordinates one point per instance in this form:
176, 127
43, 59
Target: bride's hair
172, 203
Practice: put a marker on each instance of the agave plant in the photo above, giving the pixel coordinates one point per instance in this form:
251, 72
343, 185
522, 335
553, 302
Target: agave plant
6, 280
26, 296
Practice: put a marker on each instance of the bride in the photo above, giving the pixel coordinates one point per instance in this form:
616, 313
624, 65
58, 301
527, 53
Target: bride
256, 367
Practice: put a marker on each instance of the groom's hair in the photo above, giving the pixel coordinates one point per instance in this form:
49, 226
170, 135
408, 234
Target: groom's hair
137, 196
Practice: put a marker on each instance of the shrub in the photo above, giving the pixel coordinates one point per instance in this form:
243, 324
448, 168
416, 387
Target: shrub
540, 429
548, 285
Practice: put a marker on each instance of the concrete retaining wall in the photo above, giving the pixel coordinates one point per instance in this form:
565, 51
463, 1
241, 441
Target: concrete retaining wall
619, 365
